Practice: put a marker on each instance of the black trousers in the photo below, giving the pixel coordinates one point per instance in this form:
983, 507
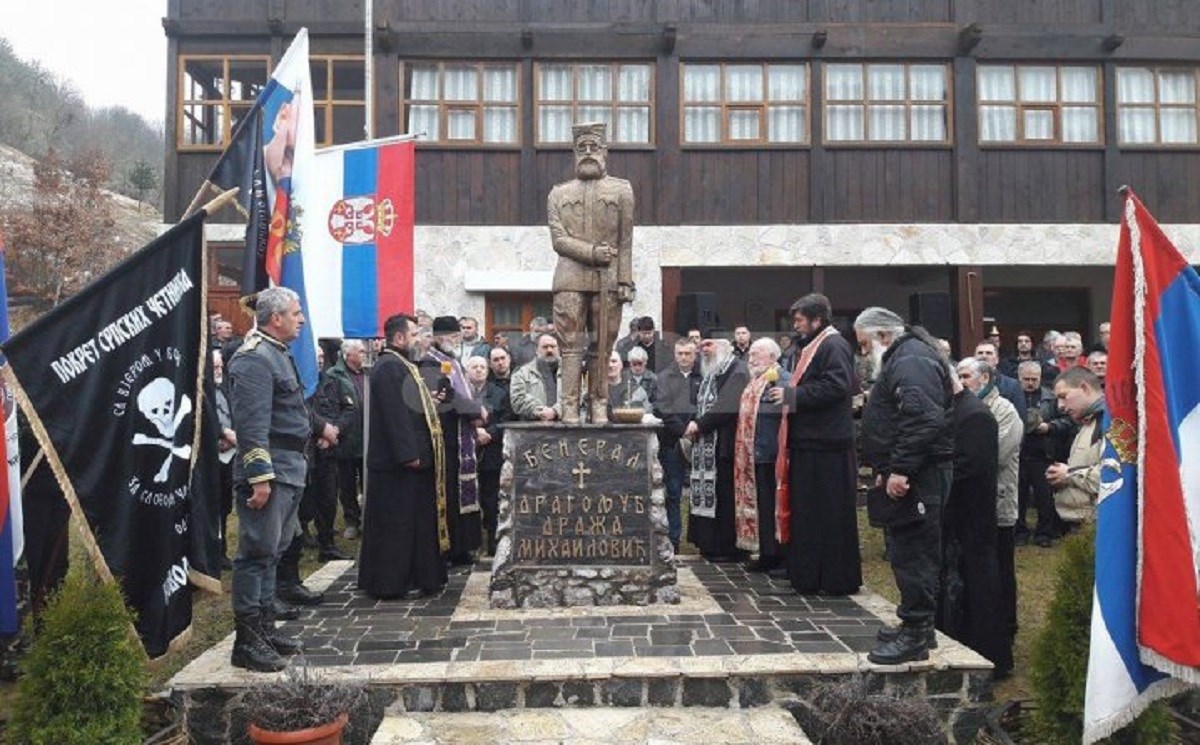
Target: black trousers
1032, 488
916, 548
349, 479
319, 504
489, 501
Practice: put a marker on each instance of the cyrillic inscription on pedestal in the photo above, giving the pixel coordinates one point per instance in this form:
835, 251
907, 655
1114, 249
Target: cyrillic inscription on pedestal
582, 518
581, 498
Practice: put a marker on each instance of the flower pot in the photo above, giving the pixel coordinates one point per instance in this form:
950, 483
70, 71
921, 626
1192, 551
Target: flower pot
326, 734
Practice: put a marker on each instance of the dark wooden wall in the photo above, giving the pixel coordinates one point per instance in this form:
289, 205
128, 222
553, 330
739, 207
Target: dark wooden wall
675, 185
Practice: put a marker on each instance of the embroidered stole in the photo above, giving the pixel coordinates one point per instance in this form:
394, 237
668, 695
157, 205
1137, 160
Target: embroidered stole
745, 486
783, 491
429, 408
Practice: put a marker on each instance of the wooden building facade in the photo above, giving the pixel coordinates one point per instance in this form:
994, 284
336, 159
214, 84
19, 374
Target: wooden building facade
912, 145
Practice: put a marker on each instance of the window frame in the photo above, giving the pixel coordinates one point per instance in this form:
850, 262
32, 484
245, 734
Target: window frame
323, 106
763, 107
1056, 106
477, 106
1158, 106
613, 104
865, 102
527, 301
224, 103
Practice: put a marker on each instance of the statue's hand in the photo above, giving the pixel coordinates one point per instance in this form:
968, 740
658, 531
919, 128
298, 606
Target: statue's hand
604, 253
626, 292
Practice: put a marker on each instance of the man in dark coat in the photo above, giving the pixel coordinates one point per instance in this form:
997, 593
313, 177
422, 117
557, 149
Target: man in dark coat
678, 386
711, 524
404, 516
460, 416
822, 473
969, 600
348, 372
490, 439
908, 439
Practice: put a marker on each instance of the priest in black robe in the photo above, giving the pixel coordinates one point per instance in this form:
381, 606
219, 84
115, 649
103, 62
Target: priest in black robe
822, 473
969, 597
460, 416
404, 529
711, 523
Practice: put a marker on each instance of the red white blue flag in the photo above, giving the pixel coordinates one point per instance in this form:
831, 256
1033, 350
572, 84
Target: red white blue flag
358, 254
1145, 640
12, 536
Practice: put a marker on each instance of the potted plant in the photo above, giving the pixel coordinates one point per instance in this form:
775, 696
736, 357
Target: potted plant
301, 707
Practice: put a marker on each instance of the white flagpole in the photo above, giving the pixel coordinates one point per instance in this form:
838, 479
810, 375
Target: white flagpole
368, 69
378, 142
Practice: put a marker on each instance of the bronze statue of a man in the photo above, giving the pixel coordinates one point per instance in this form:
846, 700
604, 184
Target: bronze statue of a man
591, 229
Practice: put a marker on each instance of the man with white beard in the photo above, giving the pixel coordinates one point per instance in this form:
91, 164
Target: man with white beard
711, 523
908, 439
460, 415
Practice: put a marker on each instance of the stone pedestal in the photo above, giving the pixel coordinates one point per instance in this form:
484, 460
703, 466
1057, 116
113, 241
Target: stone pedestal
582, 518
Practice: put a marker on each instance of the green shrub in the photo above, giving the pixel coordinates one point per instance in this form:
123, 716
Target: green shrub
84, 676
1060, 657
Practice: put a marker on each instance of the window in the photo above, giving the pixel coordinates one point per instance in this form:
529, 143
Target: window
745, 104
887, 102
620, 95
462, 103
1039, 104
1157, 106
512, 313
214, 94
339, 93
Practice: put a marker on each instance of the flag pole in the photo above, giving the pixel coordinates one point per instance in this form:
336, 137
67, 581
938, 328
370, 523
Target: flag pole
368, 69
220, 201
378, 142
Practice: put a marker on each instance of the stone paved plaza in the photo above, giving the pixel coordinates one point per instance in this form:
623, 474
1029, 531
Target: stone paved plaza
736, 642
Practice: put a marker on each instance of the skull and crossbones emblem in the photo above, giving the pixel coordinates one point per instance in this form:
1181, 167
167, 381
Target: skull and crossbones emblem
157, 403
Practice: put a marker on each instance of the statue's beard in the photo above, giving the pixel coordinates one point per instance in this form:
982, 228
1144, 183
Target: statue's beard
589, 169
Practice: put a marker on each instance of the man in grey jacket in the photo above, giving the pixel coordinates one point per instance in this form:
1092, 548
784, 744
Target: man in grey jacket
273, 428
536, 385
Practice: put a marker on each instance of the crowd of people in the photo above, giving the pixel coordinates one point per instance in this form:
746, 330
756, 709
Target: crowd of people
771, 439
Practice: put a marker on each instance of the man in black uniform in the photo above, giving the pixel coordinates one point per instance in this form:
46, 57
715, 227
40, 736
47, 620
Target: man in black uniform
267, 403
908, 438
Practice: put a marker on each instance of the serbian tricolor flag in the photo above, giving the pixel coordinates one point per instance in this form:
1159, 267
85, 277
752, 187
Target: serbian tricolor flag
358, 254
1145, 640
12, 535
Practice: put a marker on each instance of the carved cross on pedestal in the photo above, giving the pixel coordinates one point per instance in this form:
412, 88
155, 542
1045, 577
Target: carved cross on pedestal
580, 471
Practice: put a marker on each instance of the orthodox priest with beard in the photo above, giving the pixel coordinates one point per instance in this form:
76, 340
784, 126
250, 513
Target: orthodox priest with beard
460, 416
816, 467
404, 529
712, 525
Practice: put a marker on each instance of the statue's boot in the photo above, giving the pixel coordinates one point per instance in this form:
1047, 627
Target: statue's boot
571, 368
599, 411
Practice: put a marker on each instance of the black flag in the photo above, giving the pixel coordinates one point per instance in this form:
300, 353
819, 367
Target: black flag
111, 380
241, 165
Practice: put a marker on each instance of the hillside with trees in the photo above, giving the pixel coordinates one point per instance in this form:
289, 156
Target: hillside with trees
40, 112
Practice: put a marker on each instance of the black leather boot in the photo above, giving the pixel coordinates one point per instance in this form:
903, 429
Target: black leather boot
888, 633
908, 646
330, 552
288, 586
283, 643
250, 650
284, 612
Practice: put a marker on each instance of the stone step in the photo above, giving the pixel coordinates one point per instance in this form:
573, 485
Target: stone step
759, 726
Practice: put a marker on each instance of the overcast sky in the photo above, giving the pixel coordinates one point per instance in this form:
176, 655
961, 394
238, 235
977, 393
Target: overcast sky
114, 53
